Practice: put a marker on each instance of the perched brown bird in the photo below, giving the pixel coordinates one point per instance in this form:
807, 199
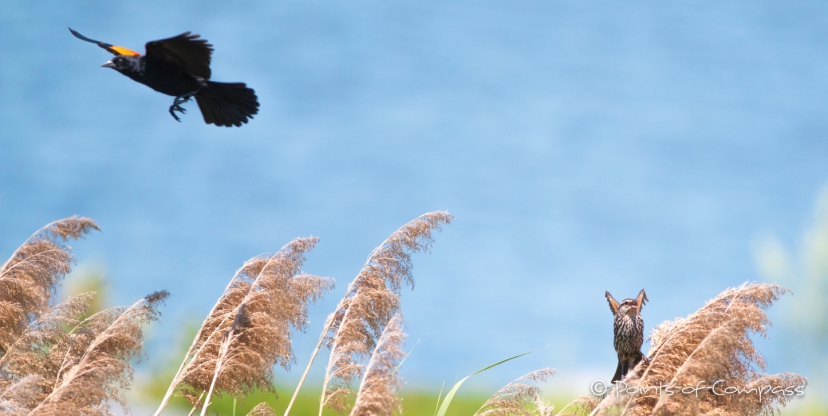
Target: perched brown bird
628, 333
180, 66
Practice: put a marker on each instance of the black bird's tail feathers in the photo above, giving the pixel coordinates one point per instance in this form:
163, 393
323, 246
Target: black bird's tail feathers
227, 104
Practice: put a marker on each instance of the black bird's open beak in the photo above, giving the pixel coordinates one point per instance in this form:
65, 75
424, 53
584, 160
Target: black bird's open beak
108, 64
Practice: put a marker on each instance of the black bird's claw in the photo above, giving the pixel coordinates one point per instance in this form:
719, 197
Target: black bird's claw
177, 106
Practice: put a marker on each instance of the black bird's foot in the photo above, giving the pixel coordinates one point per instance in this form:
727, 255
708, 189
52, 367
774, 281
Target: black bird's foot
177, 106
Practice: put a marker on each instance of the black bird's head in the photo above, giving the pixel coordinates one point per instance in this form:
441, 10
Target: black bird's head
125, 64
126, 61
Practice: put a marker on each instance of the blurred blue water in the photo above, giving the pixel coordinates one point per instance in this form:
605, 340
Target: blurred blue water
582, 147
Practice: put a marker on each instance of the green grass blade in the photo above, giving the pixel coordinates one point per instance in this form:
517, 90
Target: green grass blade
450, 395
439, 397
397, 368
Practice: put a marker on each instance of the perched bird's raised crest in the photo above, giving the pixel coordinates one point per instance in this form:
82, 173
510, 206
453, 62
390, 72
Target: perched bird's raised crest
113, 49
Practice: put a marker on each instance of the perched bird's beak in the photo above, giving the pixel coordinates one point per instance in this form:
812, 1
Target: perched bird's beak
108, 64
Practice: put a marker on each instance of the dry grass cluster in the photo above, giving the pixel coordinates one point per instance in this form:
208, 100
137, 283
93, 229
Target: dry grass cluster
519, 397
377, 391
55, 362
371, 300
249, 329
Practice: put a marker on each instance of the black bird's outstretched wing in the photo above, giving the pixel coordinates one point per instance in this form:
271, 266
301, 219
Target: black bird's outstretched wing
113, 49
185, 50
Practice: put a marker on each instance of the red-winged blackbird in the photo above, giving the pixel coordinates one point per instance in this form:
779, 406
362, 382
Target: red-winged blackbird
628, 333
180, 66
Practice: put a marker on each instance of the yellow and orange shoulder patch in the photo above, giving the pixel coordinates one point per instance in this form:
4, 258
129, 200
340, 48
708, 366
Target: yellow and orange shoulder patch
120, 50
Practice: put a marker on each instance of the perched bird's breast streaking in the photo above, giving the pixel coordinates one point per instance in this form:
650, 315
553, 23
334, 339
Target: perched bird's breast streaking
180, 67
629, 334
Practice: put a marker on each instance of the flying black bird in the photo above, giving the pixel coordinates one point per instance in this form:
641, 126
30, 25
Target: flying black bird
180, 67
628, 333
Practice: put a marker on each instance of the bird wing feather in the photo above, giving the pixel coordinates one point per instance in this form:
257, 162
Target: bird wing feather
641, 300
612, 303
113, 49
185, 50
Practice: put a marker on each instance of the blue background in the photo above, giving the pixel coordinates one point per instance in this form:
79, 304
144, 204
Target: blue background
582, 147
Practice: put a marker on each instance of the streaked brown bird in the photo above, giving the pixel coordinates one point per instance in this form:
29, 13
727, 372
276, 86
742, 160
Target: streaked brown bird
180, 66
628, 333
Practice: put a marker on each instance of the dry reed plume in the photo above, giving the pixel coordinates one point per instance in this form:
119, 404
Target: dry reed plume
21, 396
95, 359
371, 300
248, 330
53, 363
32, 353
262, 409
27, 326
377, 391
581, 406
709, 346
29, 277
519, 397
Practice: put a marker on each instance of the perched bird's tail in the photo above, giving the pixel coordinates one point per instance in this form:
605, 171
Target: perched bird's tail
624, 367
618, 375
227, 104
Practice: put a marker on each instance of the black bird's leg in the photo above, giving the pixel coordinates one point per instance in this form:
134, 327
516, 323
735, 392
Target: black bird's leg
177, 104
